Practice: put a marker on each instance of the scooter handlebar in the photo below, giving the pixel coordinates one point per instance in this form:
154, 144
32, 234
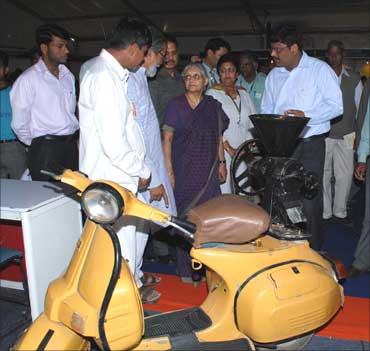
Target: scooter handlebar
188, 226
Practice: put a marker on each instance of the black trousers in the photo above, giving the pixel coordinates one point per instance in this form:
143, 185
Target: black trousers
48, 151
311, 154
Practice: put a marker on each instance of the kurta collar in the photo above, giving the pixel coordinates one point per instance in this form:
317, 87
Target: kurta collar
122, 73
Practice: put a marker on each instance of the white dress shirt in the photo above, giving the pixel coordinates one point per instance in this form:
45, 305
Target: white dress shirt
43, 104
111, 143
311, 87
146, 117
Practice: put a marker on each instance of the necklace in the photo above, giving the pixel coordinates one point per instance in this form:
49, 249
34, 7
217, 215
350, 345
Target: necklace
237, 106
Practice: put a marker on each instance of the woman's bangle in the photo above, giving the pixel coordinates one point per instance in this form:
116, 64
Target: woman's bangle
222, 161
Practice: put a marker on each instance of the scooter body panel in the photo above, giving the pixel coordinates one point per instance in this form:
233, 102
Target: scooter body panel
262, 290
285, 301
76, 298
44, 334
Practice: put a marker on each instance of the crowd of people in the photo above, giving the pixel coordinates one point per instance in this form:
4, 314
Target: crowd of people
169, 136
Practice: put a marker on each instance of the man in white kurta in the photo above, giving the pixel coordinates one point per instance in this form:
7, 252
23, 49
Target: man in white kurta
111, 143
159, 193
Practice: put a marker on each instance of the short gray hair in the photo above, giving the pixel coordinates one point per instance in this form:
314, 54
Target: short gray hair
158, 40
197, 65
335, 44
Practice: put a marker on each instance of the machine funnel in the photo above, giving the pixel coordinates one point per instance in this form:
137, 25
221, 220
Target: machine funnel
278, 133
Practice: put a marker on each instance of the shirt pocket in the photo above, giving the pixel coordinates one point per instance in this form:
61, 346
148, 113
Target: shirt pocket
305, 96
69, 98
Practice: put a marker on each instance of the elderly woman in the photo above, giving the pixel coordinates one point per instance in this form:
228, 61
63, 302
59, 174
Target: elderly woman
238, 106
193, 149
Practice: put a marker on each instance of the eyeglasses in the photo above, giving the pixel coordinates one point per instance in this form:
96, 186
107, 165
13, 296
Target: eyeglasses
278, 50
194, 76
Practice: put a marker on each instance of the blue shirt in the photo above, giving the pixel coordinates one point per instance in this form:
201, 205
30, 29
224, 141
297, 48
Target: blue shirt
6, 132
311, 87
146, 117
255, 88
363, 149
213, 77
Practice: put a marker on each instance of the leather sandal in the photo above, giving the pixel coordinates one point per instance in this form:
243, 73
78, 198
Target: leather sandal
150, 279
149, 295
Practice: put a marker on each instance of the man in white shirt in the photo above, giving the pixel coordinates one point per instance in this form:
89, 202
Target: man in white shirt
43, 102
300, 86
111, 143
339, 158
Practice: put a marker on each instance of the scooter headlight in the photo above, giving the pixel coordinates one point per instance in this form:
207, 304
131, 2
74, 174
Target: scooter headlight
102, 203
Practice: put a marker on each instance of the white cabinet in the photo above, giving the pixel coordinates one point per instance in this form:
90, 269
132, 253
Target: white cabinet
51, 225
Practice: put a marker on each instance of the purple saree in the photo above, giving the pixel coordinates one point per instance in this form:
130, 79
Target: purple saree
194, 149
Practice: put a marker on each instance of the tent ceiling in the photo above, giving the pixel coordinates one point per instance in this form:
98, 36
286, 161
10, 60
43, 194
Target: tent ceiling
192, 21
193, 16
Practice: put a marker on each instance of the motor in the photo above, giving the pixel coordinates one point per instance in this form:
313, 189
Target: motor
270, 173
262, 292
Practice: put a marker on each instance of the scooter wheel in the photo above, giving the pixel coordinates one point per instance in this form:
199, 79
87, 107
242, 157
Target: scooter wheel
291, 345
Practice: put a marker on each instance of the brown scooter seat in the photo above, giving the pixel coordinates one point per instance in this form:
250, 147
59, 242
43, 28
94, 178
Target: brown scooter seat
228, 219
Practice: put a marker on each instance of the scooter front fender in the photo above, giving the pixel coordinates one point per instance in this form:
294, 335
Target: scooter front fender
44, 334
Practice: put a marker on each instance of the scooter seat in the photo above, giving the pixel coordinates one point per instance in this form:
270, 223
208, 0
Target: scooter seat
228, 219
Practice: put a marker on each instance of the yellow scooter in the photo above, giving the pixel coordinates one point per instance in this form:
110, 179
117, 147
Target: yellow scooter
262, 292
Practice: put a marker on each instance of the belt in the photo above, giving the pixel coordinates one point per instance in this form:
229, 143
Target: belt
63, 138
7, 141
313, 137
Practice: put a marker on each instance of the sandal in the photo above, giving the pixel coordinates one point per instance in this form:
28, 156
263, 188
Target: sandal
150, 279
149, 295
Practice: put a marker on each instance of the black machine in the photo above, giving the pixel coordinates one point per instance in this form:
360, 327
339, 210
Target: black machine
264, 168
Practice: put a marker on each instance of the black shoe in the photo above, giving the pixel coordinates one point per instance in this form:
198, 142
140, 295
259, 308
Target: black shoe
354, 272
345, 220
149, 258
165, 259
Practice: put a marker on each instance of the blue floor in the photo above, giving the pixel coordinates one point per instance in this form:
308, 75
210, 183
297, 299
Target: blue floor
318, 343
340, 242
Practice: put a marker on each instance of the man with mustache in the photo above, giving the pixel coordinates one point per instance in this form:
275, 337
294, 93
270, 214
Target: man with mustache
168, 83
159, 192
43, 103
339, 145
111, 142
301, 86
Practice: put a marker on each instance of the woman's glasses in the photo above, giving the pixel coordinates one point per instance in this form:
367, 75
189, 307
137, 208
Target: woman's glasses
195, 76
